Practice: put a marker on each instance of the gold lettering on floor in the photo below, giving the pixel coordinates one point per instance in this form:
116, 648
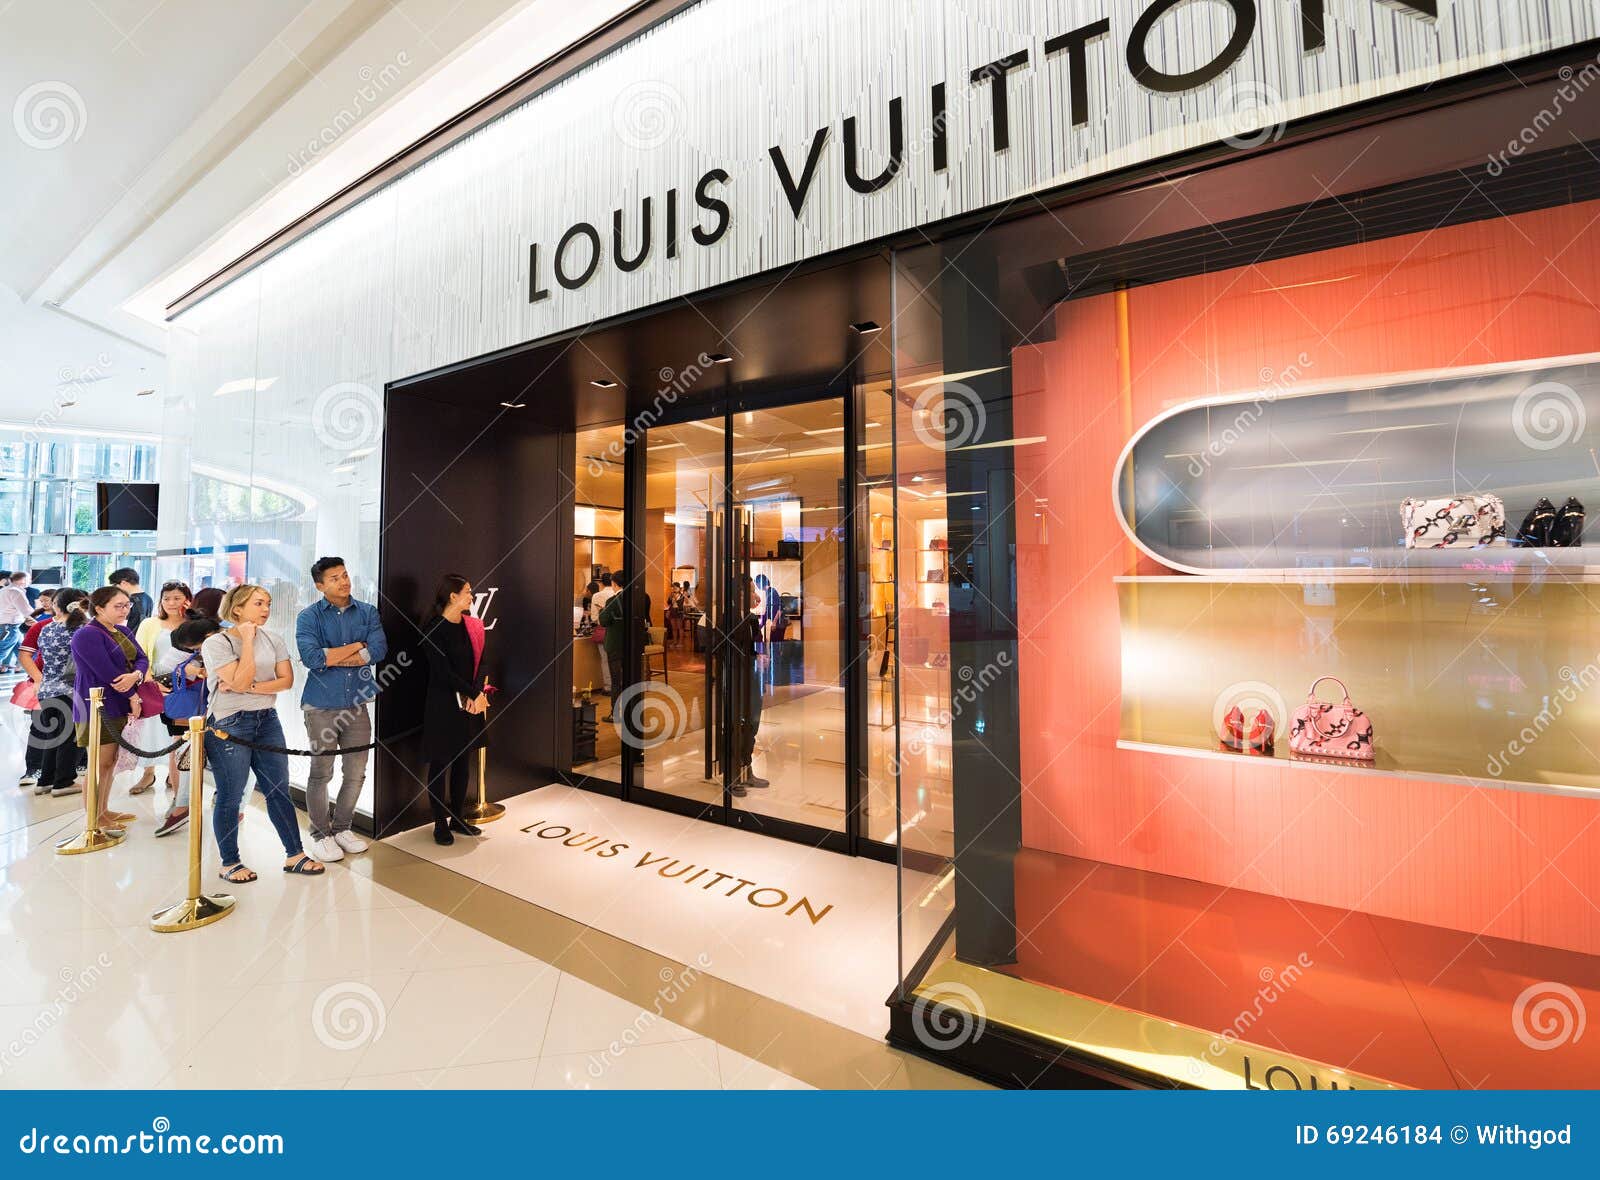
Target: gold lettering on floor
670, 868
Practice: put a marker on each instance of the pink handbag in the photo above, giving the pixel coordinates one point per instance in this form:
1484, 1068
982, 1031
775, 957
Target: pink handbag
1322, 730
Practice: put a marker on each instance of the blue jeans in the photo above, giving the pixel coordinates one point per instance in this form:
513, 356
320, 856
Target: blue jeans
10, 641
231, 765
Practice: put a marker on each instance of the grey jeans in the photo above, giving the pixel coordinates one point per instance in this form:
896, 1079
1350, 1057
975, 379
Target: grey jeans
329, 729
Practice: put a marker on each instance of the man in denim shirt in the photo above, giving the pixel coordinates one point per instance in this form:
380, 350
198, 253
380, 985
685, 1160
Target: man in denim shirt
340, 642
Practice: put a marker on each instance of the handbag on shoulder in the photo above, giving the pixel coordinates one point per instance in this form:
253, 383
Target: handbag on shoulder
1457, 522
1323, 730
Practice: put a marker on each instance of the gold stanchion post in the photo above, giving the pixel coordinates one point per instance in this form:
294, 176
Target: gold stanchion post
197, 909
485, 812
93, 837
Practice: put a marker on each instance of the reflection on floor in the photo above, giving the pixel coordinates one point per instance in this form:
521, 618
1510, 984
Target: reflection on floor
800, 750
388, 972
1417, 1005
812, 929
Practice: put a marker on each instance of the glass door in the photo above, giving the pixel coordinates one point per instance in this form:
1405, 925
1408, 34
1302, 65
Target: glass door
742, 691
786, 614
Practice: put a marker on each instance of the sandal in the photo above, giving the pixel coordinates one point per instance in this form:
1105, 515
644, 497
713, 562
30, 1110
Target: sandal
232, 875
125, 817
146, 781
299, 867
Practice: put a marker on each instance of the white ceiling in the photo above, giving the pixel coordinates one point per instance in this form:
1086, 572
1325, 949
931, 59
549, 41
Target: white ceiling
152, 141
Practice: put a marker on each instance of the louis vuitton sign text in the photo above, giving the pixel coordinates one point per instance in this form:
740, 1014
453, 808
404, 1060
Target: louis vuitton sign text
657, 224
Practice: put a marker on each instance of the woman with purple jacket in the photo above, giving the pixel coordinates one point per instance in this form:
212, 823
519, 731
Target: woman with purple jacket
105, 656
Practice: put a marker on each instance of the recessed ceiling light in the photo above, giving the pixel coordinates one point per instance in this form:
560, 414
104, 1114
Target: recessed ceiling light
866, 327
603, 383
718, 358
514, 405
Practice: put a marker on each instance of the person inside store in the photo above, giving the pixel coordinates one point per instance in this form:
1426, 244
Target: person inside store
247, 666
53, 732
43, 605
340, 641
106, 656
674, 611
26, 697
14, 612
747, 660
187, 638
615, 643
154, 637
127, 580
597, 603
454, 704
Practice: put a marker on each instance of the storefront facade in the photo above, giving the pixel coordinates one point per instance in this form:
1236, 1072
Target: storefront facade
1045, 382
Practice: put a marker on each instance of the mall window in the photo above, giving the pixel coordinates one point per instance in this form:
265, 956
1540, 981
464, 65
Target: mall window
1237, 567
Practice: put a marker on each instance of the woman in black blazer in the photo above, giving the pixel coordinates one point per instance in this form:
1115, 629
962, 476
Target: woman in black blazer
452, 714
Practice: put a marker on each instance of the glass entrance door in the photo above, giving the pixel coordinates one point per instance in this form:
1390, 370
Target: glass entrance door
745, 536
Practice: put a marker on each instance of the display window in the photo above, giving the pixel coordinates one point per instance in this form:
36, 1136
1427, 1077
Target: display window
1248, 643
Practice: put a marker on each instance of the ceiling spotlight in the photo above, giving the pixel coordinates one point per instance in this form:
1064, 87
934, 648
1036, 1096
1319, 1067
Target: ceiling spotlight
514, 405
603, 383
718, 358
144, 393
866, 327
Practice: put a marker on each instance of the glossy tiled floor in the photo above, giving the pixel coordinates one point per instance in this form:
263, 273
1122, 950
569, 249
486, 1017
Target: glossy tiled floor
388, 972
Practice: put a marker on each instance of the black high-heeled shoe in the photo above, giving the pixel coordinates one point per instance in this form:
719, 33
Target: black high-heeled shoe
466, 829
441, 835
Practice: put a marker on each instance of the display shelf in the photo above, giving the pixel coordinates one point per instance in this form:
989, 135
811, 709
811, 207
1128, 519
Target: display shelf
1478, 684
1579, 564
1384, 766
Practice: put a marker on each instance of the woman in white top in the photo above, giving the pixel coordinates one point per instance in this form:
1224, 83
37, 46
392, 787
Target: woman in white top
154, 636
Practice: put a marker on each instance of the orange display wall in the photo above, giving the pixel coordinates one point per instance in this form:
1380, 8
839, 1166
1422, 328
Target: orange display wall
1462, 855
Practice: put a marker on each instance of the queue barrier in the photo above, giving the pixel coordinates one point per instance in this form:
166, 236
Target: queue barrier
196, 909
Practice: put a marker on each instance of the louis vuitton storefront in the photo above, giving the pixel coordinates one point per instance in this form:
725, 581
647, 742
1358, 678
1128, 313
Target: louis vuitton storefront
1002, 419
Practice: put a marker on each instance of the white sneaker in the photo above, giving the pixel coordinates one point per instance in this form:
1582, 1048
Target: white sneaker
350, 842
28, 780
326, 849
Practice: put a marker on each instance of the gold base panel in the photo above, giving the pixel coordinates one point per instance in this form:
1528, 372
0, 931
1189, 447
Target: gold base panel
91, 840
192, 913
1190, 1056
485, 813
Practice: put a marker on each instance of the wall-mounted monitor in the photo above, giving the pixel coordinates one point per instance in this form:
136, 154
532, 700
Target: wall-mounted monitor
126, 507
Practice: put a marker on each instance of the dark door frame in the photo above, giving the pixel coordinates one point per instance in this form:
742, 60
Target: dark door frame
851, 841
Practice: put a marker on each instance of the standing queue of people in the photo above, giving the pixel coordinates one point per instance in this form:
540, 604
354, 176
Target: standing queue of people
213, 654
